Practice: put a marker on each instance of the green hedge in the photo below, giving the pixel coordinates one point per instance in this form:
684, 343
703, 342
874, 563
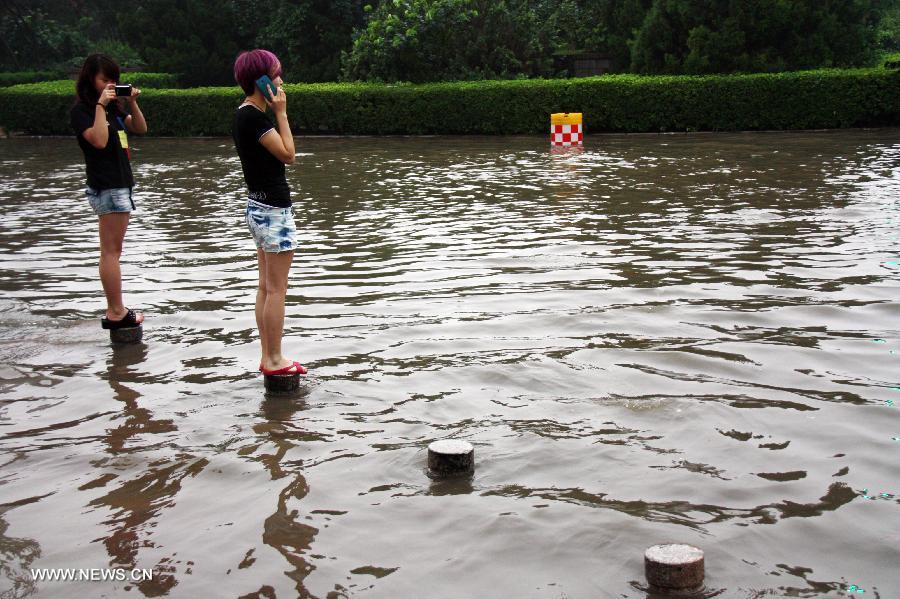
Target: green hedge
621, 103
7, 79
156, 80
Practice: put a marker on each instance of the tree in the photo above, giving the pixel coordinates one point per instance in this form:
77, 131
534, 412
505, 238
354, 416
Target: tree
309, 35
888, 32
197, 40
602, 26
31, 40
718, 36
432, 40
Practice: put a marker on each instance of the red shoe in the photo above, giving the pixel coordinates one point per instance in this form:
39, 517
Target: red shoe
293, 368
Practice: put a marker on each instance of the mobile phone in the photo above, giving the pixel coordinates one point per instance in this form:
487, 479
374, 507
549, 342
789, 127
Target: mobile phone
123, 90
267, 87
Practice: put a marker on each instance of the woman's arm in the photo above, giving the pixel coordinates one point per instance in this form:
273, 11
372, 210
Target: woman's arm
281, 146
98, 134
135, 121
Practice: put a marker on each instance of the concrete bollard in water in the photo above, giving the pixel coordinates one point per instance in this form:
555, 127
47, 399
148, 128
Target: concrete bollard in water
281, 383
450, 457
674, 567
127, 334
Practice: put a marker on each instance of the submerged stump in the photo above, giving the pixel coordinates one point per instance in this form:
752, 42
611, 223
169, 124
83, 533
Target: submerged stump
450, 457
674, 567
281, 383
127, 334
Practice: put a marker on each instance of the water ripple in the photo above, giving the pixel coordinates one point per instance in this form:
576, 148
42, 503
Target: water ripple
659, 337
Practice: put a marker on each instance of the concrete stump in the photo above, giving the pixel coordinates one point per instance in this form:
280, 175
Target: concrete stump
127, 334
450, 457
282, 383
674, 566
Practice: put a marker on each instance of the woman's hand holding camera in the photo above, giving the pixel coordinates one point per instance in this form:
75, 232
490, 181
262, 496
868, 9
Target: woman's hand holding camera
107, 95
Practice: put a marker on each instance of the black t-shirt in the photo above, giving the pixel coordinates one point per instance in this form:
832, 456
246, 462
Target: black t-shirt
263, 172
110, 167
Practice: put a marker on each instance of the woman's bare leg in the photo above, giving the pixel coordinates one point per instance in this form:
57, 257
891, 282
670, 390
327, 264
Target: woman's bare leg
261, 304
112, 233
277, 267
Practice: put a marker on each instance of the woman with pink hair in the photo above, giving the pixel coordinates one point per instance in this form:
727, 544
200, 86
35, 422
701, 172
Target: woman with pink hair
264, 148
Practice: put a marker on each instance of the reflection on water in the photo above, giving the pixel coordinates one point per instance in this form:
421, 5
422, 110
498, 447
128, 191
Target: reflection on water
689, 338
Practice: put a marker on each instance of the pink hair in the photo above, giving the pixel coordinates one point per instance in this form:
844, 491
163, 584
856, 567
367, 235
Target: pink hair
253, 64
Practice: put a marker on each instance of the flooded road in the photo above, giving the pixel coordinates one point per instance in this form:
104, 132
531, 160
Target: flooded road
690, 338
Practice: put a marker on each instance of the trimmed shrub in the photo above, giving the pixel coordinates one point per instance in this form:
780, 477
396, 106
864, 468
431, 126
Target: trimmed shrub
154, 80
613, 103
7, 79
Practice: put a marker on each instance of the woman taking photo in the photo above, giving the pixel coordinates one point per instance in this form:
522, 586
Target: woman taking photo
264, 150
102, 128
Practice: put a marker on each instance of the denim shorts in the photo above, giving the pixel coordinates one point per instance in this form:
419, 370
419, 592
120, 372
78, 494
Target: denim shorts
110, 200
273, 229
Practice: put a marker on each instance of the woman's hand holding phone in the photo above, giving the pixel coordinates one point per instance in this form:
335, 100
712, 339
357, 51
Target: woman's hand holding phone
272, 94
279, 102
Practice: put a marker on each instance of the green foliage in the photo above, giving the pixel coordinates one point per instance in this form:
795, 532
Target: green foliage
7, 79
434, 40
602, 26
439, 40
41, 108
30, 39
125, 55
626, 103
722, 36
151, 80
307, 35
198, 40
52, 81
888, 33
142, 80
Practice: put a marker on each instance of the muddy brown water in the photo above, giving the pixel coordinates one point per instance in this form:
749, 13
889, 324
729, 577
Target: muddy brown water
691, 338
